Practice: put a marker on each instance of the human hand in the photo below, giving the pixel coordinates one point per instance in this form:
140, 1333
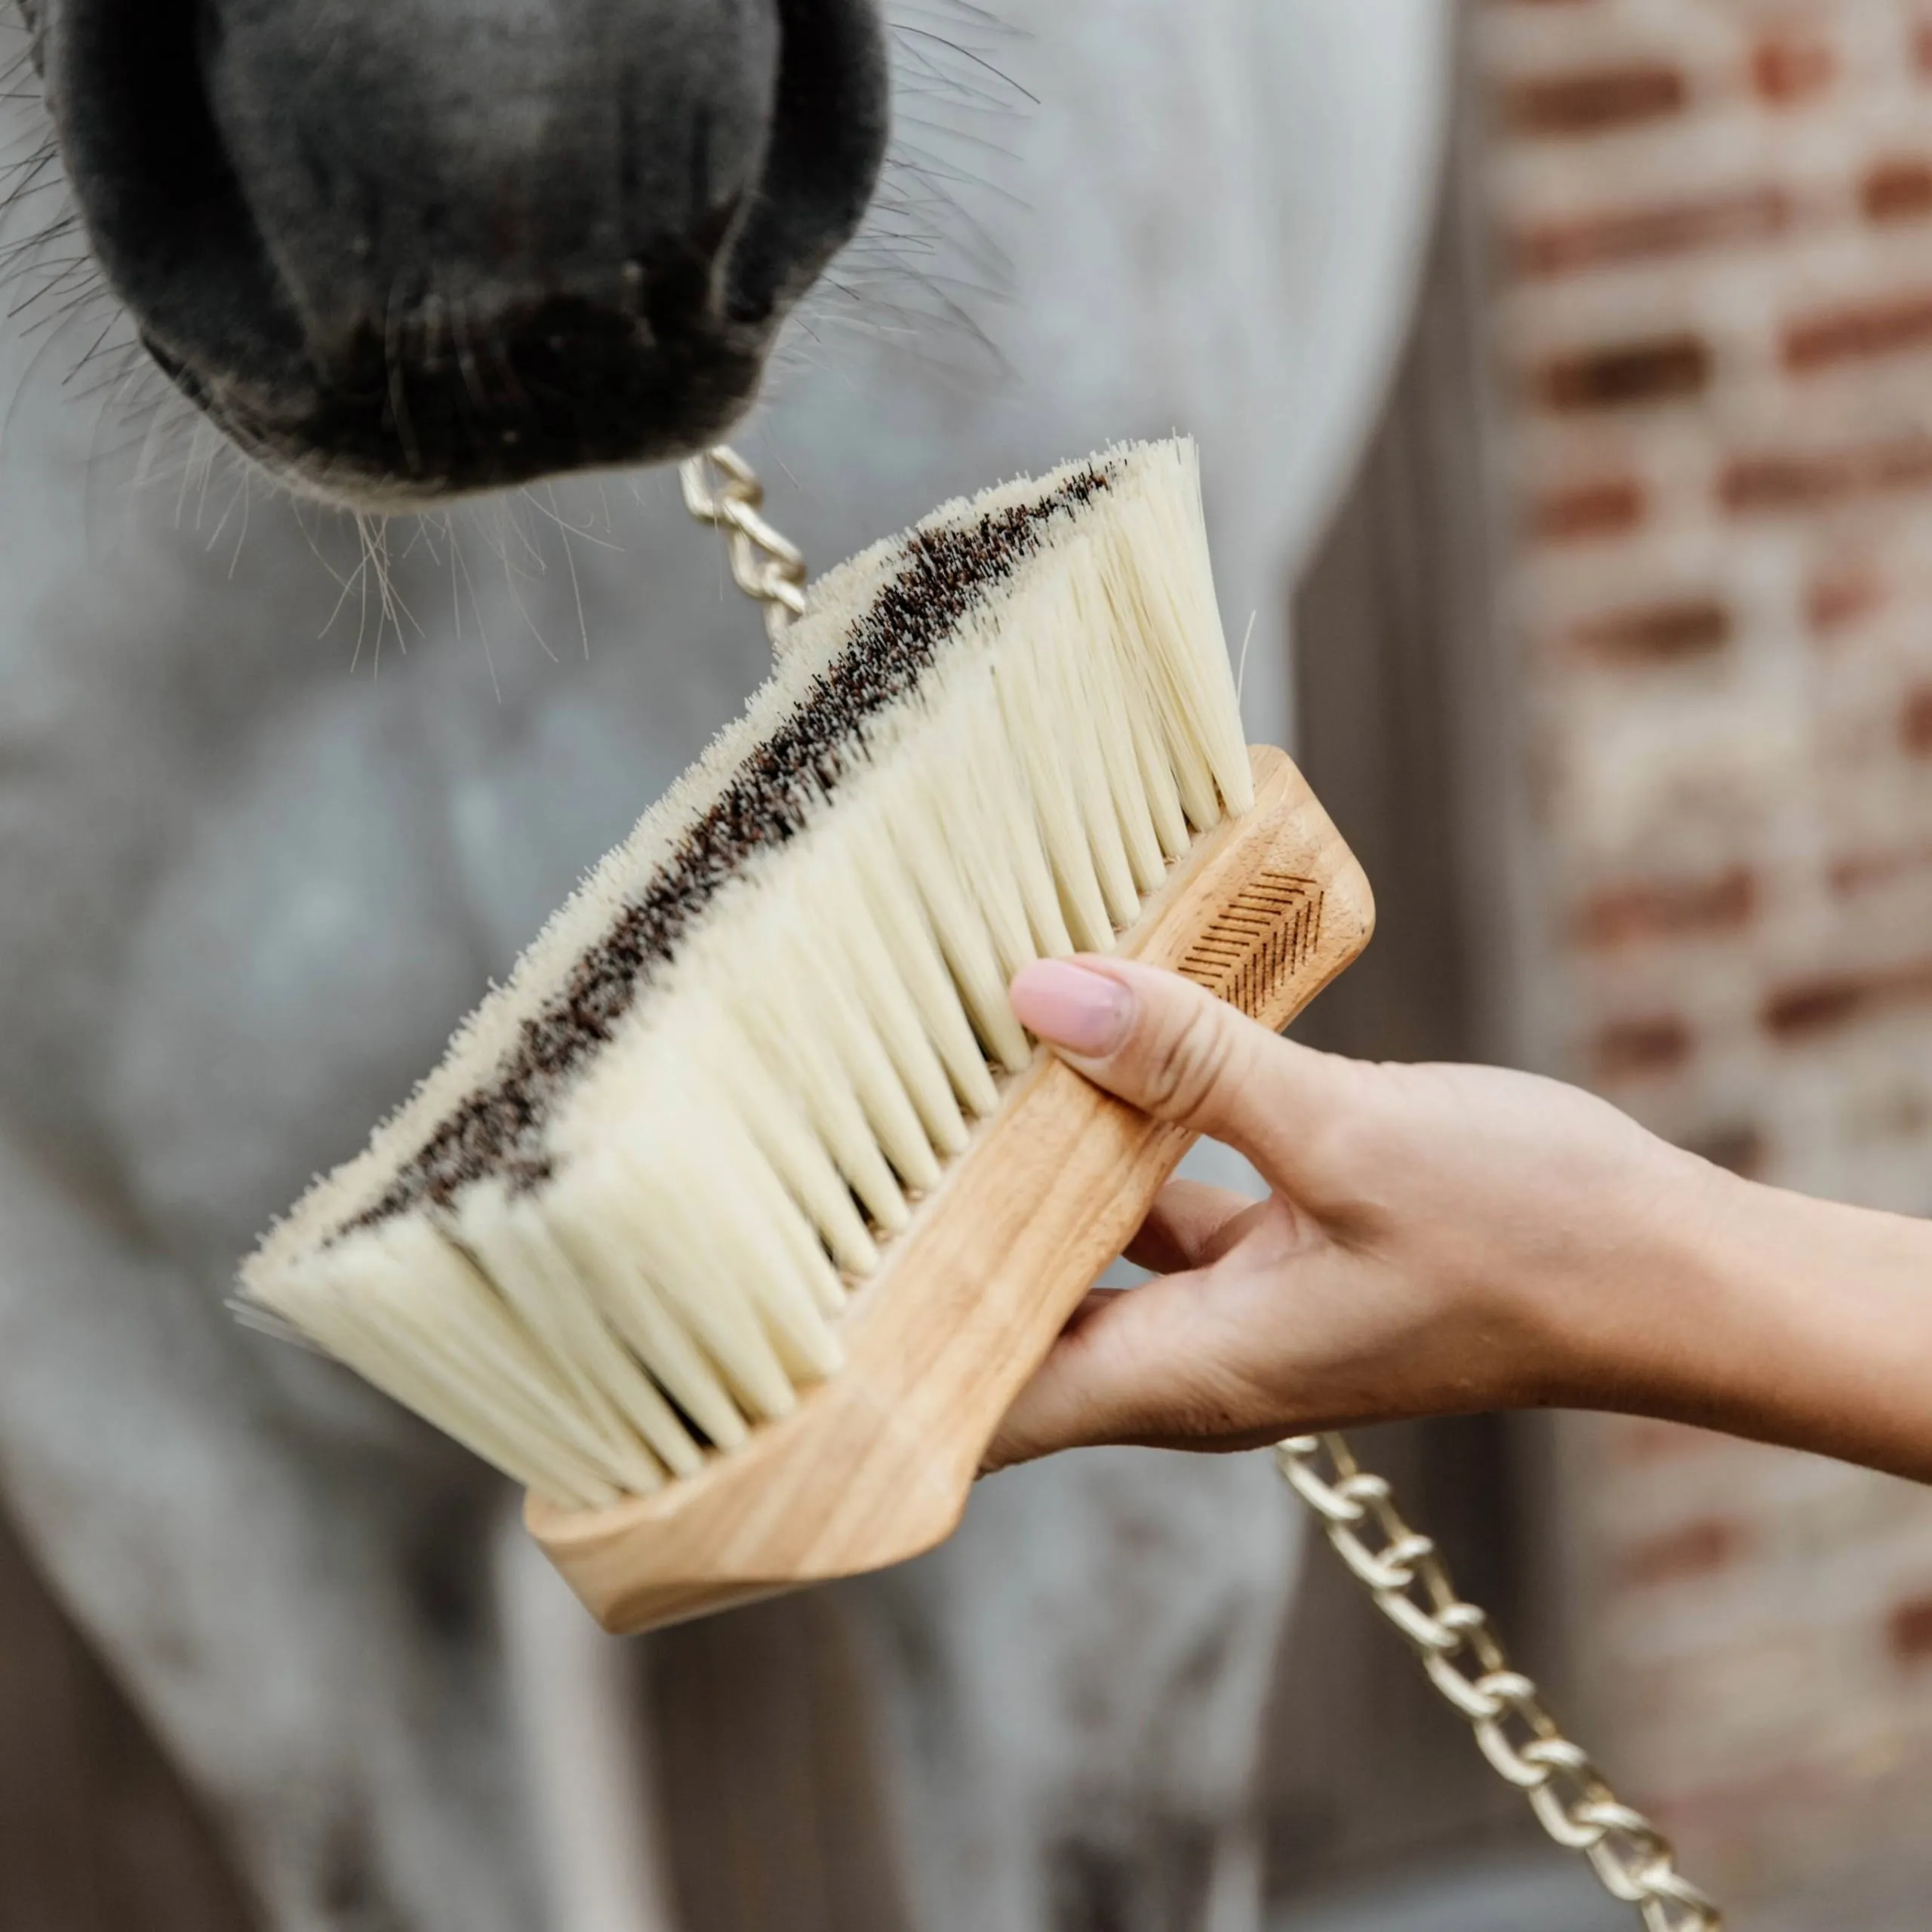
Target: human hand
1439, 1239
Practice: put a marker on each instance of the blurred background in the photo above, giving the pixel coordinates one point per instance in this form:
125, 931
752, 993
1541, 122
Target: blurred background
1601, 619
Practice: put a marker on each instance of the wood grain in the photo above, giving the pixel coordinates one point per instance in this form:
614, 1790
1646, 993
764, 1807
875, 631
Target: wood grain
876, 1463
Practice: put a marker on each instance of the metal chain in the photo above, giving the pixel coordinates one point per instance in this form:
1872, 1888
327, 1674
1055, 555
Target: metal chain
1406, 1579
1466, 1662
765, 565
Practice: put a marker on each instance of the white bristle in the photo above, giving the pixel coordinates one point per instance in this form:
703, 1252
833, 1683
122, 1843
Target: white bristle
910, 957
599, 1278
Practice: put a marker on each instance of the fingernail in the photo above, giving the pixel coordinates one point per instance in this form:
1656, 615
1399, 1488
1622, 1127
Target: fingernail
1072, 1006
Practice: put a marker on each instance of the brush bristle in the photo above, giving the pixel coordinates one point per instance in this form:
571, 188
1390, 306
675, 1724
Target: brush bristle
617, 1228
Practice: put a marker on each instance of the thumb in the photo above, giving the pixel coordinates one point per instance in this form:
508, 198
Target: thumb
1170, 1048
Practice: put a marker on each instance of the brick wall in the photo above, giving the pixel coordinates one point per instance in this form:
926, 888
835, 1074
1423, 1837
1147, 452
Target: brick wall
1713, 227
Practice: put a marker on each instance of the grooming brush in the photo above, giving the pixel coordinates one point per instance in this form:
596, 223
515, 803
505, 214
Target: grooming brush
732, 1223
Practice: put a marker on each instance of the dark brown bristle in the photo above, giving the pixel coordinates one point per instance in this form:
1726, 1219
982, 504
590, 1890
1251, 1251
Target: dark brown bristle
498, 1129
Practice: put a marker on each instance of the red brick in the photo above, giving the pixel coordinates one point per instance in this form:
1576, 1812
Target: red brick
1742, 1149
1788, 482
1789, 65
1636, 234
1661, 633
1631, 1049
1593, 101
1803, 1007
1668, 909
1916, 722
1772, 481
1638, 1440
1853, 871
1840, 594
1617, 375
1908, 1630
1814, 1004
1571, 512
1900, 190
1858, 331
1696, 1549
1746, 1806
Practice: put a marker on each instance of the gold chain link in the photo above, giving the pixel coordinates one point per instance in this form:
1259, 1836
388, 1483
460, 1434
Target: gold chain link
765, 565
1409, 1585
1405, 1576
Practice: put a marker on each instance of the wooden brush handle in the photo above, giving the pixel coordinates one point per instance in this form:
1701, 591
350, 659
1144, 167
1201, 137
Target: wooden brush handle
876, 1464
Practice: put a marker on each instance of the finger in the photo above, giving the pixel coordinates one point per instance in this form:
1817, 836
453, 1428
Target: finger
1177, 1052
1168, 1362
1187, 1226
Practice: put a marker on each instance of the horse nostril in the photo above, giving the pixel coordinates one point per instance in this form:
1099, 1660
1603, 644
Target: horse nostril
163, 210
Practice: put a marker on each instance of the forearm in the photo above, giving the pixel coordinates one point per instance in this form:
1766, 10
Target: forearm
1769, 1314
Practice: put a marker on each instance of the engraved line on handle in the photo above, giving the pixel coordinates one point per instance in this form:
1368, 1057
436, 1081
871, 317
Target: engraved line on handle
1250, 948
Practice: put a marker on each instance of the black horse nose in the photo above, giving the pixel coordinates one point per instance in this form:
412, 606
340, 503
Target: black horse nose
412, 248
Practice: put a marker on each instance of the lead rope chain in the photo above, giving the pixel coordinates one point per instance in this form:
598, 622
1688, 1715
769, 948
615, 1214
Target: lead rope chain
1405, 1577
764, 565
1411, 1585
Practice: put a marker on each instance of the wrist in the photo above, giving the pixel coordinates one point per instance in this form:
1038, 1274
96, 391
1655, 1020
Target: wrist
1761, 1313
1626, 1309
1825, 1337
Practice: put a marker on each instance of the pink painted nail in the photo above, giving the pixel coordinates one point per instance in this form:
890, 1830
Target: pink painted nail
1072, 1006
